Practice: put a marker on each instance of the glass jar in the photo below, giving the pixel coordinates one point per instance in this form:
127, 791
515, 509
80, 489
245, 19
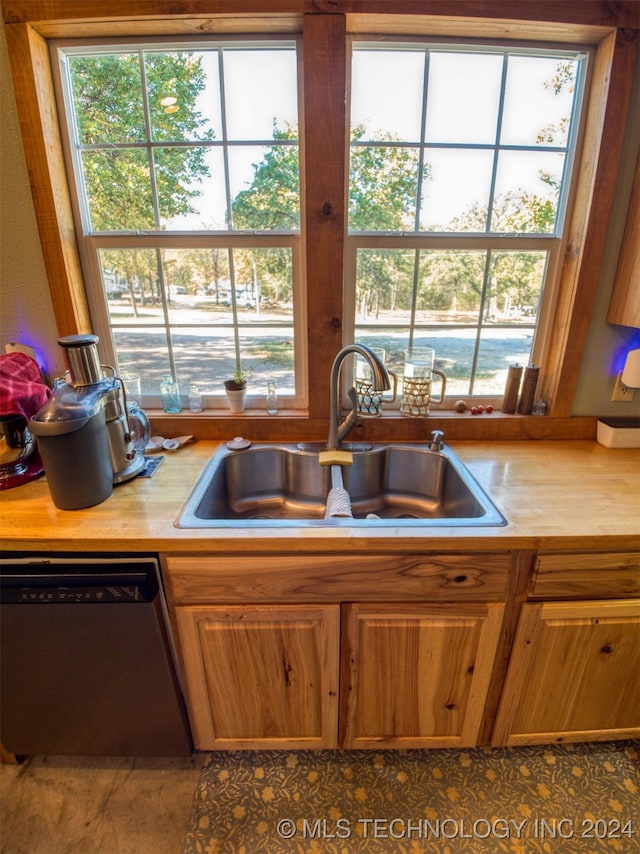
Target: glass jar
195, 398
272, 398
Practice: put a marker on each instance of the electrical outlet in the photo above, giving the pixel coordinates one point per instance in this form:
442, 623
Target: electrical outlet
621, 392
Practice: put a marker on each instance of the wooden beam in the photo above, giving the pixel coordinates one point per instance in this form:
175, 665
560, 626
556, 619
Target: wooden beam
622, 13
324, 200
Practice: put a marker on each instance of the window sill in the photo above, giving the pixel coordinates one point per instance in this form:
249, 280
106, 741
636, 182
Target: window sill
294, 426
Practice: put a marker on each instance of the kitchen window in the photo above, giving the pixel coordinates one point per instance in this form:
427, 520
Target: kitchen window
460, 172
184, 159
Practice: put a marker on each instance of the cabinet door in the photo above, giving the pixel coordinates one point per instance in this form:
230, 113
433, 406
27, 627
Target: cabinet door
261, 676
417, 675
573, 675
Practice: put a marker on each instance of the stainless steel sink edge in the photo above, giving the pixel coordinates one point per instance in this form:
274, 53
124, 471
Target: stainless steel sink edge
187, 519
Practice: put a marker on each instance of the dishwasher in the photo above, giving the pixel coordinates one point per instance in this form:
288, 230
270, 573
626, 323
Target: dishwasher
87, 660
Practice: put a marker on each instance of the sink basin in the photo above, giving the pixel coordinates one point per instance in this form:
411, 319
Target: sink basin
280, 485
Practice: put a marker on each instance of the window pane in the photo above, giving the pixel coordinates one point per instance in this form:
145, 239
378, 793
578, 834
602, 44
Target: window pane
386, 94
455, 190
269, 355
260, 92
383, 188
498, 349
118, 190
527, 191
191, 189
476, 308
184, 95
516, 280
186, 318
131, 283
384, 284
539, 95
454, 349
393, 340
265, 188
145, 352
450, 288
107, 98
463, 99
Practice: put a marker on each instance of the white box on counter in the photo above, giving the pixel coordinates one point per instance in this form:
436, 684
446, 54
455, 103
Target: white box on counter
619, 432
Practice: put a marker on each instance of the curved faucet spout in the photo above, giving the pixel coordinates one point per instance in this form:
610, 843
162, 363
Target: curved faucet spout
380, 380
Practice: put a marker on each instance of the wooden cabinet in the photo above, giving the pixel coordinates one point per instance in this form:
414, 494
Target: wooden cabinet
408, 651
407, 663
261, 676
416, 675
574, 670
624, 307
573, 675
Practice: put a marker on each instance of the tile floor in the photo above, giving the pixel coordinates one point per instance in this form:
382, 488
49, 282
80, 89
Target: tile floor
88, 805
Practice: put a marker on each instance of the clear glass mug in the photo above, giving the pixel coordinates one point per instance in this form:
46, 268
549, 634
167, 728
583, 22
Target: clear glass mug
132, 387
417, 382
139, 427
370, 399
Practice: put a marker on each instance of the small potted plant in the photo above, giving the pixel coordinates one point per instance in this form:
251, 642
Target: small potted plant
236, 388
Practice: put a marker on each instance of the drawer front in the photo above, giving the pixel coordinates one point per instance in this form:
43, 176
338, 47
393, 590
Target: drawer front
601, 575
336, 578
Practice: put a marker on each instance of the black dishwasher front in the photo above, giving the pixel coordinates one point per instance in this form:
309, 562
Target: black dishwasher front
87, 660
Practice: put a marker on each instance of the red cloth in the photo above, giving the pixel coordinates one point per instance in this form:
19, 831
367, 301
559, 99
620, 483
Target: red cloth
22, 391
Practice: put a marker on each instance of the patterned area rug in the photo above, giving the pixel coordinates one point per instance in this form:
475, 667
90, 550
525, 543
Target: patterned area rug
570, 798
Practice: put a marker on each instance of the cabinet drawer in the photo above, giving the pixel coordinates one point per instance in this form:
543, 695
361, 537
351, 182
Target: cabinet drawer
586, 575
336, 578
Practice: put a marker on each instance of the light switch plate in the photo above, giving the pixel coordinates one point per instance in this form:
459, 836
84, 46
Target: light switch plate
621, 392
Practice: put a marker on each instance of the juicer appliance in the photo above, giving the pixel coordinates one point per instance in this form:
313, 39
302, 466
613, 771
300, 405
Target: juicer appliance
89, 439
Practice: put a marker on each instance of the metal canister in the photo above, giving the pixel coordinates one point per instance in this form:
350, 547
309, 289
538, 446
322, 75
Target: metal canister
83, 361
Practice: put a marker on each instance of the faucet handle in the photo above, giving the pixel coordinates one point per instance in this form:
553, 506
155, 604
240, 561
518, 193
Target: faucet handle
437, 437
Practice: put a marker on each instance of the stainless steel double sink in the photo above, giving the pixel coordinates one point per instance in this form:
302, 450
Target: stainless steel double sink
284, 485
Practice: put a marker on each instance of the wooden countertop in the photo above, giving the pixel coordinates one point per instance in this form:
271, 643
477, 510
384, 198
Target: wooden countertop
559, 495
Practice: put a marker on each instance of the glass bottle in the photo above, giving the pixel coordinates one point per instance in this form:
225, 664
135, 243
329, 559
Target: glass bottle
272, 398
170, 394
195, 398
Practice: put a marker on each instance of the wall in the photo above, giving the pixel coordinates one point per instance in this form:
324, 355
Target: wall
607, 344
26, 313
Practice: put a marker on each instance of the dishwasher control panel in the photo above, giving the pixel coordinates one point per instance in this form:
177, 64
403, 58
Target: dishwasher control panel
68, 580
66, 595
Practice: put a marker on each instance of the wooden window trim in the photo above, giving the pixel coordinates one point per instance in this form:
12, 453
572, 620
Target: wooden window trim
31, 23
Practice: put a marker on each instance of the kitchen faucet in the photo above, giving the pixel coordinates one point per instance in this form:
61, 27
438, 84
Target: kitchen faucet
380, 381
